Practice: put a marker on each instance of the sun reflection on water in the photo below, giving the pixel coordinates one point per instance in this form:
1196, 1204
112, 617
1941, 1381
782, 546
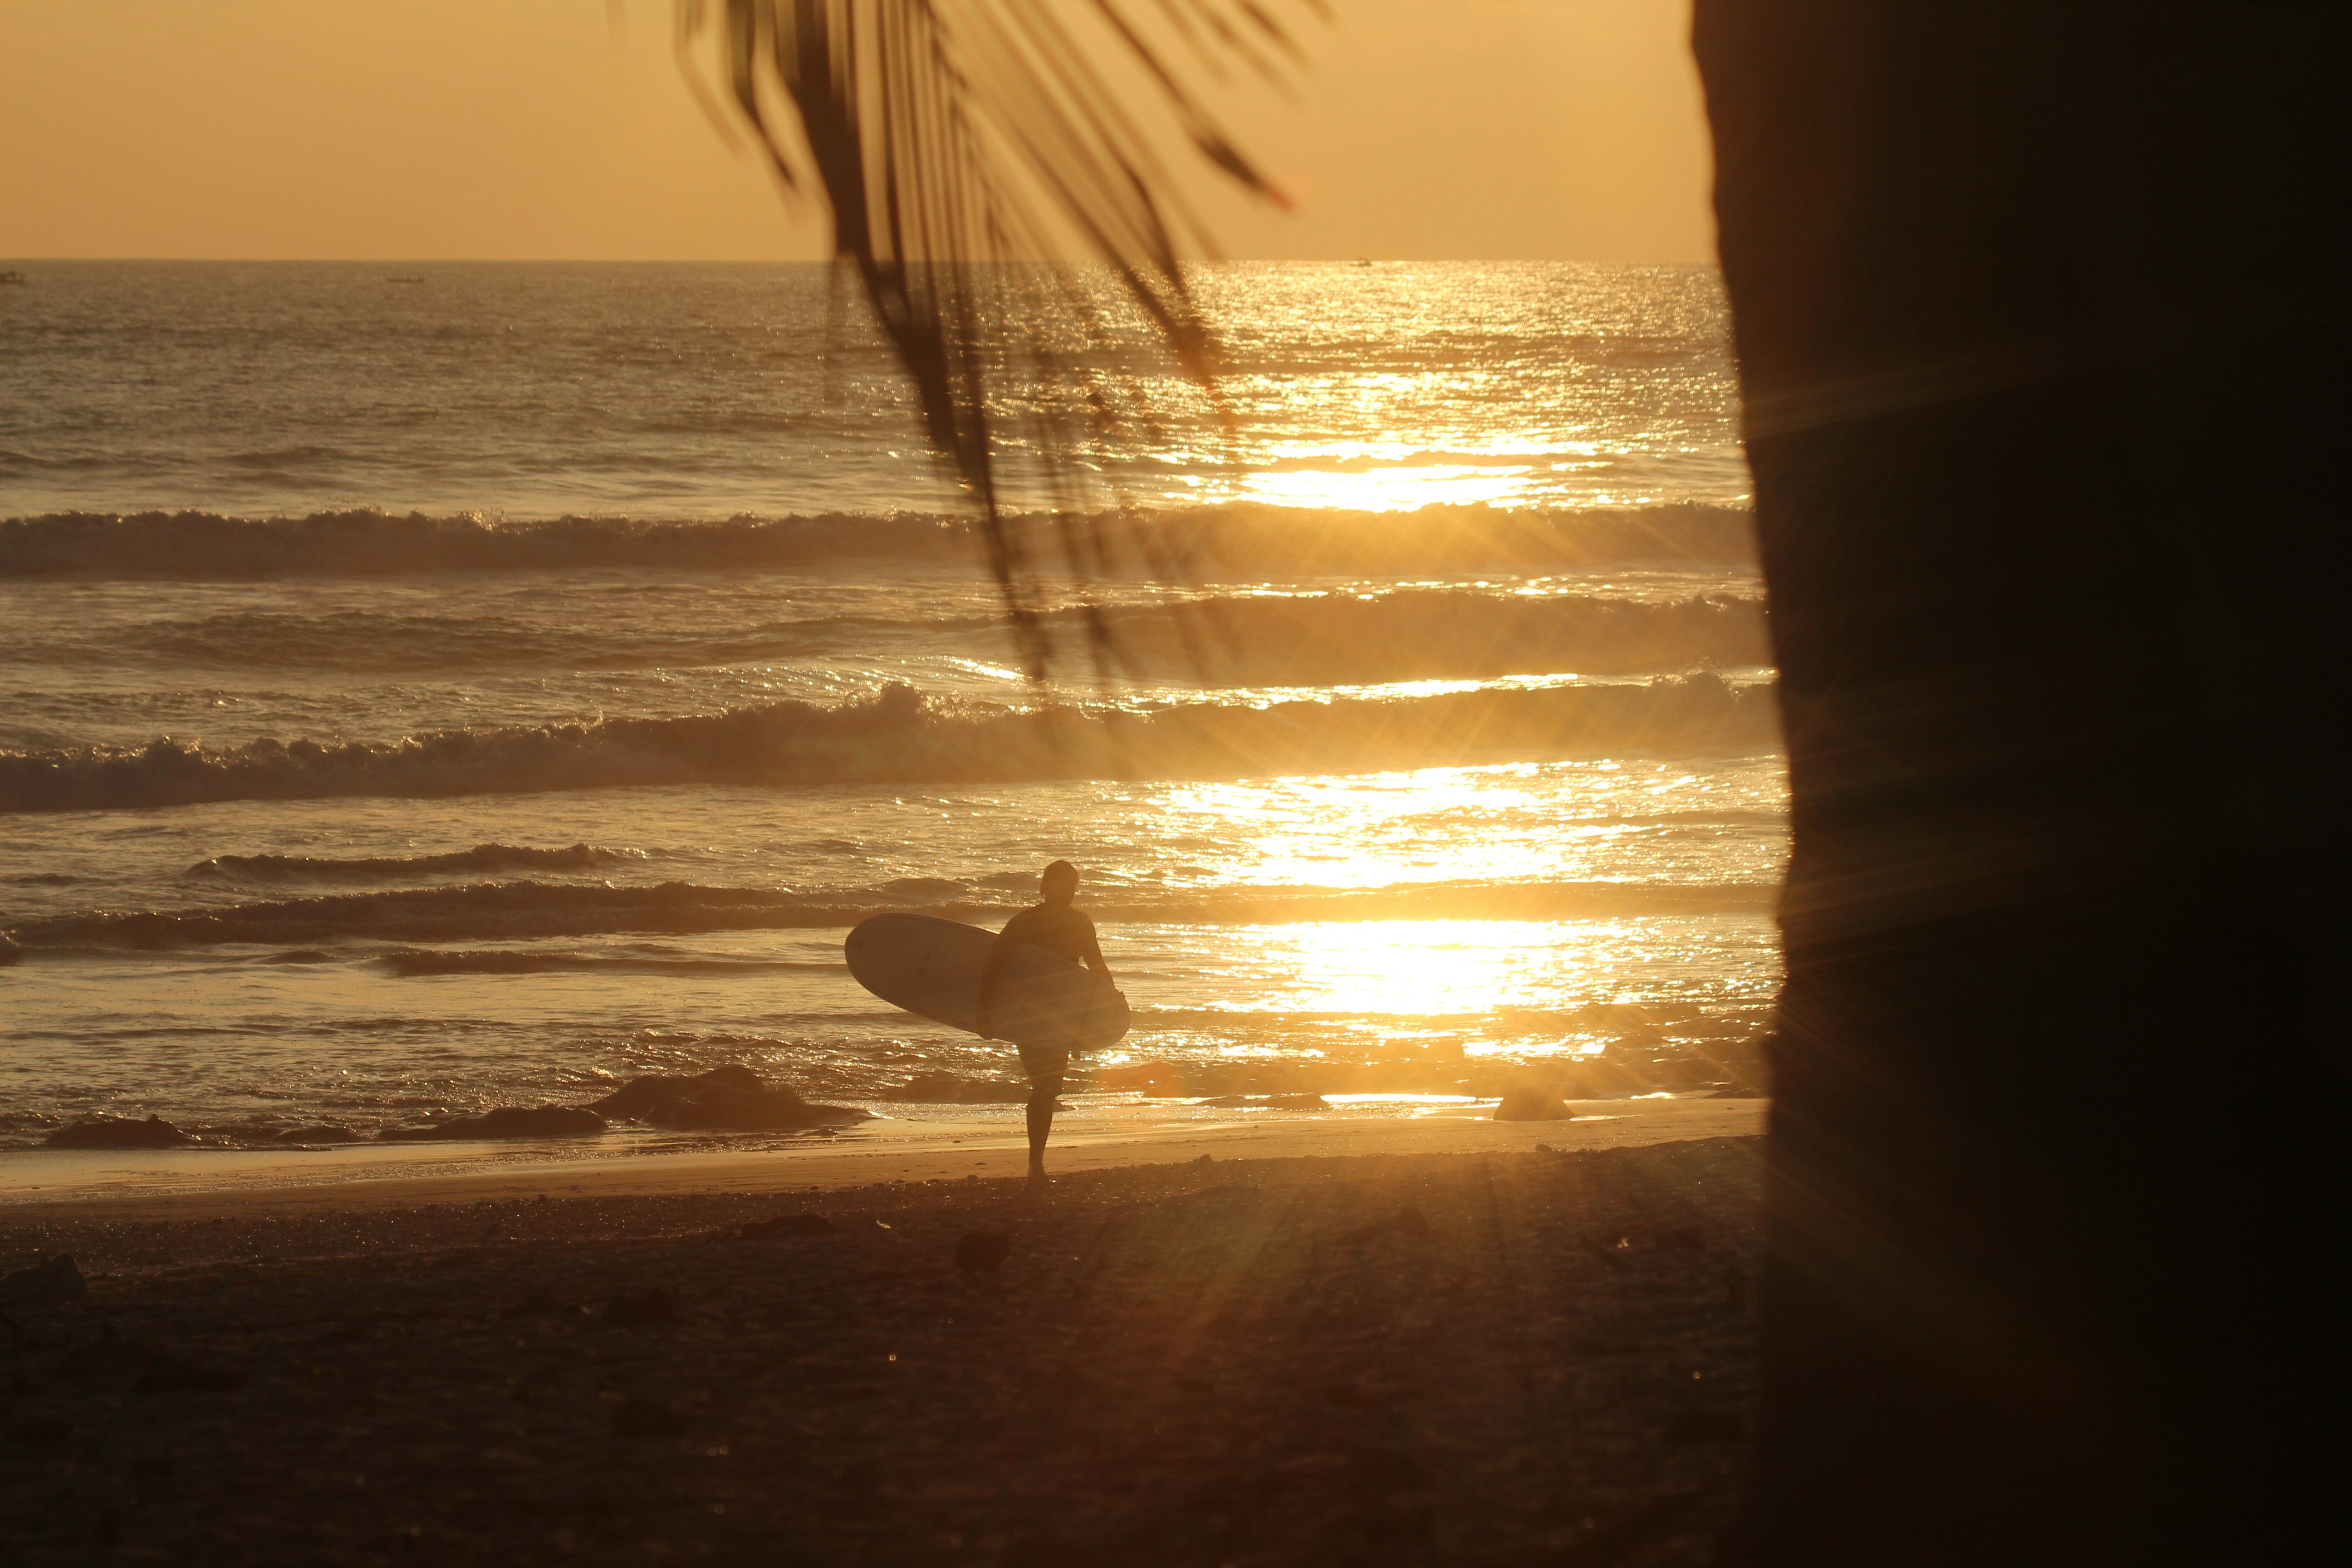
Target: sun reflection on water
1429, 968
1457, 969
1503, 824
1391, 489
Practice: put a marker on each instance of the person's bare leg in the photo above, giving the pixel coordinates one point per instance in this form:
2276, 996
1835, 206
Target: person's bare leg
1043, 1088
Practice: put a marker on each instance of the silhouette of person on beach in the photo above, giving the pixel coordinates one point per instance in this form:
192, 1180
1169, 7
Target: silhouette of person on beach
1058, 926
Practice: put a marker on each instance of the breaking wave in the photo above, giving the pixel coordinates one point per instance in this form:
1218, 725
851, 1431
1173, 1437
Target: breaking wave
1271, 639
525, 909
897, 736
387, 867
427, 961
1345, 639
1255, 539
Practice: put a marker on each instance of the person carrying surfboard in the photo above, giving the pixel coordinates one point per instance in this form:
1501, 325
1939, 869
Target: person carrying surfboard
1058, 926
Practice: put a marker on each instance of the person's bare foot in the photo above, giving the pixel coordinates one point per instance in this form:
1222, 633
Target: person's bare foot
1039, 1181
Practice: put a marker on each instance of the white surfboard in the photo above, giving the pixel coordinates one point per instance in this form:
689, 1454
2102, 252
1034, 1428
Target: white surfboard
931, 966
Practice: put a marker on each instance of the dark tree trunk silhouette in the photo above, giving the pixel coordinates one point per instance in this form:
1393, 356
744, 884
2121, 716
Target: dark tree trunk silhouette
2040, 312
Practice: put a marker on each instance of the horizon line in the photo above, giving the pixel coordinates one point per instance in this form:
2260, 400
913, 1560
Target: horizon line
806, 261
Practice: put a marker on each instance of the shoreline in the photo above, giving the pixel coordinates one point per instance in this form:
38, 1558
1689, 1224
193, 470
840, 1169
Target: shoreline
184, 1182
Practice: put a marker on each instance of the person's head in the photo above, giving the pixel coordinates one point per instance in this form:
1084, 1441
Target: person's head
1058, 882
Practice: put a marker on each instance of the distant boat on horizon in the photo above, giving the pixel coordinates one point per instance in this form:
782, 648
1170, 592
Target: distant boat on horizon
407, 277
18, 279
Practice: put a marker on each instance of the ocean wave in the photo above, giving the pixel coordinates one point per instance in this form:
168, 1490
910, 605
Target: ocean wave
1180, 544
897, 736
1416, 635
528, 910
481, 857
1258, 639
429, 961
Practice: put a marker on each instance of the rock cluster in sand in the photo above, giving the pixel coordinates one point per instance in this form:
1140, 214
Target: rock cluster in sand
508, 1122
730, 1099
119, 1132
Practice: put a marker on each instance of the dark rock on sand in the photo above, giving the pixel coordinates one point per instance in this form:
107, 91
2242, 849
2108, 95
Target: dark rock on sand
654, 1306
636, 1417
1529, 1103
732, 1099
508, 1122
788, 1225
325, 1132
983, 1251
56, 1281
119, 1132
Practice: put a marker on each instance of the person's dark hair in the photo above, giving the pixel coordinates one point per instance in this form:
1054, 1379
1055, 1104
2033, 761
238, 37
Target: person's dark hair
1060, 871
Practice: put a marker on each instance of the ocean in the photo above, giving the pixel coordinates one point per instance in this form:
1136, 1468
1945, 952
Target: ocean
430, 687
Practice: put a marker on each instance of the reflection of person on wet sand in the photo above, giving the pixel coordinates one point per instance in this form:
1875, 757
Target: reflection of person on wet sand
1060, 927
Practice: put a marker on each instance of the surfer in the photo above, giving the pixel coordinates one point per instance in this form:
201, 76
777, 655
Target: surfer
1057, 925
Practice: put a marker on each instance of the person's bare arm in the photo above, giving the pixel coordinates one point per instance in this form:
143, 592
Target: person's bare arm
991, 968
1094, 958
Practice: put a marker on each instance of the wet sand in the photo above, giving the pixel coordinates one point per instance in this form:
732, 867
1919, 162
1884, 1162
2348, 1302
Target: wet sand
1435, 1341
180, 1183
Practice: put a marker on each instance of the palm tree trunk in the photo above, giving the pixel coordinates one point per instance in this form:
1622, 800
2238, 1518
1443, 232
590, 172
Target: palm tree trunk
2041, 318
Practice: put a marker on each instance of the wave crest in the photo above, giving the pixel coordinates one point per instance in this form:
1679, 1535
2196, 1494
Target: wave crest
493, 911
1256, 539
1351, 639
412, 961
1321, 639
479, 858
897, 736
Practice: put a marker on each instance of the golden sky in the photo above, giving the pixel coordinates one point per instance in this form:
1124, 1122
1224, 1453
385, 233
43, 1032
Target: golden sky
544, 128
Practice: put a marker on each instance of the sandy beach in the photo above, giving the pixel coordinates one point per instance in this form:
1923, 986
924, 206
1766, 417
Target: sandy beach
1435, 1339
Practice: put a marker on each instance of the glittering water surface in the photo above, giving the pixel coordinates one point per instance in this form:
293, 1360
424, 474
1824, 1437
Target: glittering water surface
532, 390
1405, 801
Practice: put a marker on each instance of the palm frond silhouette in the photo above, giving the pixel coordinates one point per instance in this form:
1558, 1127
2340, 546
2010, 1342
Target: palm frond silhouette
963, 147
